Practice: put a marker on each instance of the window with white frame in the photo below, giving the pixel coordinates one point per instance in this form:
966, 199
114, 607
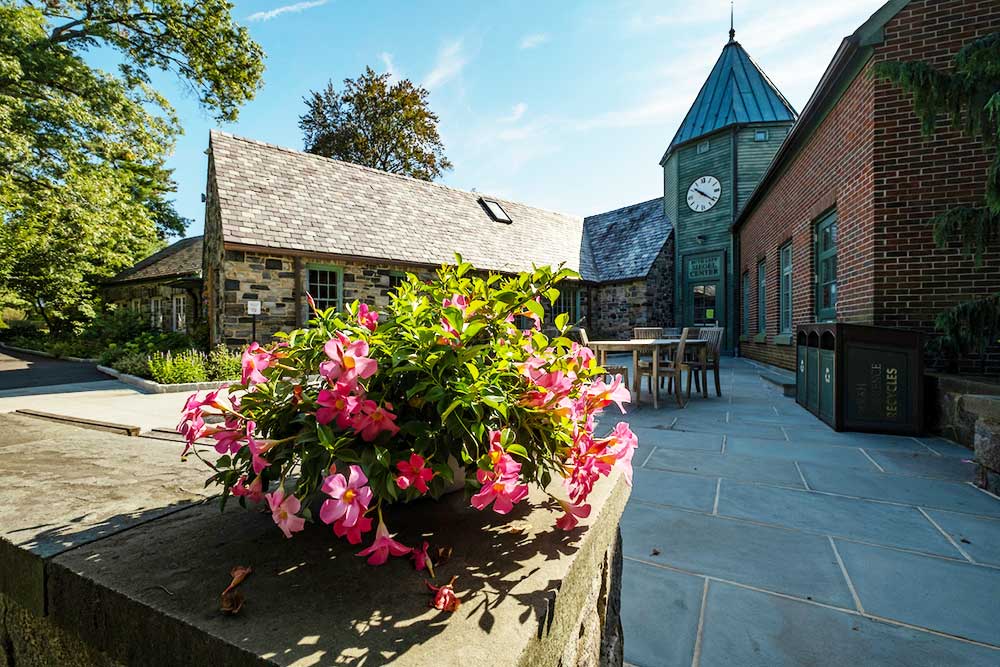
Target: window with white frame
325, 284
180, 313
156, 312
135, 305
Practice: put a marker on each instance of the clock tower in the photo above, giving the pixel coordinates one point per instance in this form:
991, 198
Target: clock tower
715, 160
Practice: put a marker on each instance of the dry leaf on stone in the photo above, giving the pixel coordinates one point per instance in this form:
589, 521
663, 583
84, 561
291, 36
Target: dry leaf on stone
232, 600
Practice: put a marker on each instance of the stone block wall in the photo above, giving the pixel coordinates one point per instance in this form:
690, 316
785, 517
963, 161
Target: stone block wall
124, 296
616, 308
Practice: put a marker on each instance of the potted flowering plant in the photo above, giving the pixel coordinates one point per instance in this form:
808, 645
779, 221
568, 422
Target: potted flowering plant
364, 409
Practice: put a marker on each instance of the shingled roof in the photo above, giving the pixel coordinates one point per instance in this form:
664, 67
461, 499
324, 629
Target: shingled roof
624, 243
180, 260
274, 197
737, 91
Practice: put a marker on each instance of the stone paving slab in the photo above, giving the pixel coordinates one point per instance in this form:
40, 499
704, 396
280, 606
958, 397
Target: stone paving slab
924, 465
754, 629
675, 489
745, 468
923, 492
789, 562
977, 536
958, 598
794, 451
947, 448
892, 525
660, 610
650, 437
768, 431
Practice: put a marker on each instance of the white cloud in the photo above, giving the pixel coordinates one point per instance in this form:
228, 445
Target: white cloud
534, 39
390, 66
285, 9
451, 60
517, 112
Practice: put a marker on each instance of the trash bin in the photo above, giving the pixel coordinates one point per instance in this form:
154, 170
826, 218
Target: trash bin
861, 378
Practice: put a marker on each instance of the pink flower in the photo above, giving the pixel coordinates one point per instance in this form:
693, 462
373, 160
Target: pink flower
500, 460
444, 596
367, 318
372, 419
500, 489
338, 403
383, 546
619, 447
192, 425
581, 357
283, 511
550, 389
230, 439
255, 360
600, 395
348, 499
354, 532
348, 361
413, 473
254, 492
572, 516
459, 301
256, 452
421, 559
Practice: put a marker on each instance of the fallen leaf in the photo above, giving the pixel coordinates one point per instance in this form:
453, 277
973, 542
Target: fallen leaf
232, 600
656, 552
441, 556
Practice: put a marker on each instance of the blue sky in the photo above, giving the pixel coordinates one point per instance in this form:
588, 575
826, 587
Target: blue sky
563, 105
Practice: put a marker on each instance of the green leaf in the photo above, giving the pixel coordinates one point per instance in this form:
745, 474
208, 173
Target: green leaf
519, 451
535, 308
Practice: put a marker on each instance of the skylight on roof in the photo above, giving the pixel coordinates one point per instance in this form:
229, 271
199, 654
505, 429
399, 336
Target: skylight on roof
495, 210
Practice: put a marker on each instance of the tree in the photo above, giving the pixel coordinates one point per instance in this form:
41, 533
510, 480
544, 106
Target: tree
83, 187
376, 124
969, 96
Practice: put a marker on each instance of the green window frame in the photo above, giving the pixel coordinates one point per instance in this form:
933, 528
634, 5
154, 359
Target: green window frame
325, 284
826, 267
568, 302
762, 297
396, 278
785, 289
746, 303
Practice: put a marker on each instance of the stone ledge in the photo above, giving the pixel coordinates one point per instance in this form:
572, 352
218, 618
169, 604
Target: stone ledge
137, 571
151, 387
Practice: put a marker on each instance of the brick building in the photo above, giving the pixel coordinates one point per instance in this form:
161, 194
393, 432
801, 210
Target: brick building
837, 229
281, 223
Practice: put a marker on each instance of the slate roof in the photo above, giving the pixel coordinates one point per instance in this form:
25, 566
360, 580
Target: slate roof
274, 197
180, 260
737, 91
624, 243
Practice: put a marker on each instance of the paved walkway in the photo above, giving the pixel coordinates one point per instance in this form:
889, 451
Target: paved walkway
756, 535
19, 370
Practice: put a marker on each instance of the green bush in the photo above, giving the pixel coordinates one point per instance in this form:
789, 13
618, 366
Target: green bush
116, 326
223, 364
147, 343
133, 363
21, 329
175, 368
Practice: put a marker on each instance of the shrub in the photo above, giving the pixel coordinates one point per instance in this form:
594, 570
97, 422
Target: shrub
176, 368
133, 363
116, 326
21, 329
223, 364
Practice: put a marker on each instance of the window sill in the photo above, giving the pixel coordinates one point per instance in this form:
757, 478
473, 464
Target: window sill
783, 339
760, 338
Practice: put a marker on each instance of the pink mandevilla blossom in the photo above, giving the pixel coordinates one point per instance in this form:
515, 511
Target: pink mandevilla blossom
499, 485
573, 514
372, 419
620, 445
349, 499
367, 317
413, 473
253, 493
230, 439
422, 559
600, 394
383, 547
192, 425
339, 403
256, 451
283, 511
348, 362
549, 390
255, 360
354, 532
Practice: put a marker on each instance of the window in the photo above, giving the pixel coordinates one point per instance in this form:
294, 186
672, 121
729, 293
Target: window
180, 314
761, 297
745, 329
495, 210
396, 278
568, 302
703, 304
325, 283
760, 135
135, 305
156, 312
703, 147
785, 289
826, 268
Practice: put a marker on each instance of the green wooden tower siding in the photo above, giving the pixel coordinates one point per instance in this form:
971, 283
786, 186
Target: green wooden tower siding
719, 137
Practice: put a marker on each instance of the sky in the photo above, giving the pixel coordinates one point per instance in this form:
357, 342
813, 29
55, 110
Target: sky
566, 106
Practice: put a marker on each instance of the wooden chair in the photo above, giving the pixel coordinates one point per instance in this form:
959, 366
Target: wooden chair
714, 337
609, 370
671, 371
646, 333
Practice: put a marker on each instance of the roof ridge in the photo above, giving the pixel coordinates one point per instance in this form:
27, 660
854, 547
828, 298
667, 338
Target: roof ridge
382, 172
622, 208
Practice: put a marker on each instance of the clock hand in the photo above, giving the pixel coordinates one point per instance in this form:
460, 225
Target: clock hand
705, 195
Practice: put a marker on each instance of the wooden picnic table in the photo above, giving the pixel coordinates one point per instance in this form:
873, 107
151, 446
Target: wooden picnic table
638, 346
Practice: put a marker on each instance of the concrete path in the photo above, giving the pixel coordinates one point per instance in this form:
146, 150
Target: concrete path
756, 535
19, 370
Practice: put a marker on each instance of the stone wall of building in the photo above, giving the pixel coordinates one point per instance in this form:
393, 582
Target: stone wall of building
616, 308
139, 296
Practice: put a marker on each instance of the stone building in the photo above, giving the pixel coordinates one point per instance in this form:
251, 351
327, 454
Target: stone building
166, 287
281, 223
838, 228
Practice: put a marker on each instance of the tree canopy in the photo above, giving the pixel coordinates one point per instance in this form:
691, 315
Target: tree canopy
376, 123
83, 187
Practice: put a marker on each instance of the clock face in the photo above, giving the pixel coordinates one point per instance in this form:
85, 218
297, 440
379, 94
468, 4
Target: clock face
704, 193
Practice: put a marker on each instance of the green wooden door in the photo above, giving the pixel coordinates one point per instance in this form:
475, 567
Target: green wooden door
705, 289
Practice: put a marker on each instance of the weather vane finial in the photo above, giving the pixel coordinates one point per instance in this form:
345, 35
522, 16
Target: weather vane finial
732, 30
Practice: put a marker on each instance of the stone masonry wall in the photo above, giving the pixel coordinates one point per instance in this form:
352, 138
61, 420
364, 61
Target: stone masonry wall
124, 296
616, 308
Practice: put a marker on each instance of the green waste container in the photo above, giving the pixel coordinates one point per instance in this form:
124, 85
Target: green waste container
861, 378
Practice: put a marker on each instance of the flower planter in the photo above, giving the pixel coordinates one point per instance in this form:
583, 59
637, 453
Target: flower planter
151, 387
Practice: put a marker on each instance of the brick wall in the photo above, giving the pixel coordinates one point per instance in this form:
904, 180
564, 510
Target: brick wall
615, 308
868, 159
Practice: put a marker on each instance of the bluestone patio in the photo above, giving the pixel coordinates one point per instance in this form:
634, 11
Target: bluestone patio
756, 535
